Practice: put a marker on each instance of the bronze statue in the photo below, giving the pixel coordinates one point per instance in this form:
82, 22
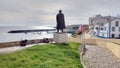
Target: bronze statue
60, 21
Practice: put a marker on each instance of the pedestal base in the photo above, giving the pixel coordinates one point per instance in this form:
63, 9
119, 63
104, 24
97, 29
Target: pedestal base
60, 37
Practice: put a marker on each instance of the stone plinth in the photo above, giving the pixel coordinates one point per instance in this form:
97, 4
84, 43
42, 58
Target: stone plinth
60, 37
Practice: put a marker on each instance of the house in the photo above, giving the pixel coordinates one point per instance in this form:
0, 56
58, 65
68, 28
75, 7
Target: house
105, 26
115, 28
94, 24
82, 28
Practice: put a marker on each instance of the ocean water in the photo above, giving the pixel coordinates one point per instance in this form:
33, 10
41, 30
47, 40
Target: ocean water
9, 37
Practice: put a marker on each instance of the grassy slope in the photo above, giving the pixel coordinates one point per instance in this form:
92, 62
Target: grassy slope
47, 56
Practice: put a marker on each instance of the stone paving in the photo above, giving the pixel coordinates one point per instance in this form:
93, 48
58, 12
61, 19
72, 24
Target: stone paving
15, 48
97, 57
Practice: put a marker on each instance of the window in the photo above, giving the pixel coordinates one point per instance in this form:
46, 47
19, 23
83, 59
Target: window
119, 29
96, 28
113, 28
101, 28
102, 24
113, 35
119, 36
117, 23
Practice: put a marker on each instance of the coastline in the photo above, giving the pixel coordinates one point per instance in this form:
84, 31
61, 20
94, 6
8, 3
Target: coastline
17, 43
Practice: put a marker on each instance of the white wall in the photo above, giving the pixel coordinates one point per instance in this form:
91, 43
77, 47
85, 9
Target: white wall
104, 32
96, 31
116, 32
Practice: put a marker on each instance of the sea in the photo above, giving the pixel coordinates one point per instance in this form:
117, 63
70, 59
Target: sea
9, 37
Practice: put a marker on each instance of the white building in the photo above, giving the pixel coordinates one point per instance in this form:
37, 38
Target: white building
115, 28
105, 26
103, 30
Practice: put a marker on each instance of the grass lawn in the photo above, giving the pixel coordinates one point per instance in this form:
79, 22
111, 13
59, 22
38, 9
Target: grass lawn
44, 56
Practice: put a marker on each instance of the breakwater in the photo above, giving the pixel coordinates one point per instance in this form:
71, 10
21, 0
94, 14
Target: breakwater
17, 43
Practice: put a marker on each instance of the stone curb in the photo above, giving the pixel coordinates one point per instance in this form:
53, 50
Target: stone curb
84, 66
82, 50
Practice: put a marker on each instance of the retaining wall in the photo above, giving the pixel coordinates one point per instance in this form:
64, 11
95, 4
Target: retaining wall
83, 41
17, 43
112, 45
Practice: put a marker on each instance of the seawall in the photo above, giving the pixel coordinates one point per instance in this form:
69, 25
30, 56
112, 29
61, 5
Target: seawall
17, 43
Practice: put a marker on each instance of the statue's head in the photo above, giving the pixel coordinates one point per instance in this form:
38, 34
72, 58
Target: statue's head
60, 11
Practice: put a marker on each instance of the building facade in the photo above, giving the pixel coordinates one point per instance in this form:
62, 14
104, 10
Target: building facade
115, 28
105, 26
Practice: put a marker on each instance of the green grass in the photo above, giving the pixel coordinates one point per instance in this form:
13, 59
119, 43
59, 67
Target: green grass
44, 56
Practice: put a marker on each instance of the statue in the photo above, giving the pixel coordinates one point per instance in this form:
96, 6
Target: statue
60, 21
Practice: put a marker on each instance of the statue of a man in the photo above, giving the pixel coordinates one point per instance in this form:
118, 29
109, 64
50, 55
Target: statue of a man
60, 21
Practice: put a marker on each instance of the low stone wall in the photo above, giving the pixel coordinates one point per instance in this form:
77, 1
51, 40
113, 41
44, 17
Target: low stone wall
113, 46
17, 43
83, 41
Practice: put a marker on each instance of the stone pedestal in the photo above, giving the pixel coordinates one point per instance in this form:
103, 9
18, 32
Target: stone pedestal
60, 37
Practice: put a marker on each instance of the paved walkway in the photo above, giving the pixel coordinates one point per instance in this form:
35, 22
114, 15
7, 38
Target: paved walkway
97, 57
15, 48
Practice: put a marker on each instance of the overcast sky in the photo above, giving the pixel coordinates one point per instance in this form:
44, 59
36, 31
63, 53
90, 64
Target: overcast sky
43, 12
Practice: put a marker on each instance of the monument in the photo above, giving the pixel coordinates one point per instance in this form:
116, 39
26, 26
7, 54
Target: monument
60, 36
60, 21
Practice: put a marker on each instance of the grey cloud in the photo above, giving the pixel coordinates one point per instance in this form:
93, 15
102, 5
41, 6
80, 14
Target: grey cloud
43, 12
